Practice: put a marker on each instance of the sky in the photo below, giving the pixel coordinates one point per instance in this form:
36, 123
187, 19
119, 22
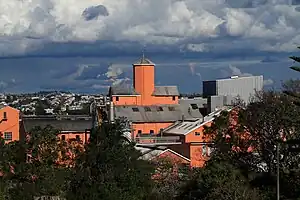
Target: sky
86, 46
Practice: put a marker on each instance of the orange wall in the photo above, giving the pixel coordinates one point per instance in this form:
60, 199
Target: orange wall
192, 137
146, 127
127, 100
196, 155
12, 123
71, 135
138, 100
144, 80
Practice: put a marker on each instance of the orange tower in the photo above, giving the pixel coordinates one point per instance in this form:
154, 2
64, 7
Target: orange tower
143, 79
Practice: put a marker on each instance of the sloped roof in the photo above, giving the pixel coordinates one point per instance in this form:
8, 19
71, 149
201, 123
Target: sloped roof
156, 113
185, 127
143, 61
63, 124
122, 90
165, 91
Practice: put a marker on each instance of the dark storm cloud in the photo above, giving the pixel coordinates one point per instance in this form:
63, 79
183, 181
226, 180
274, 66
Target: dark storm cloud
94, 12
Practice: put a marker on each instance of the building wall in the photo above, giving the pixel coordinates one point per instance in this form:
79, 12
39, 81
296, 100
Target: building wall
11, 125
197, 135
199, 154
71, 136
126, 100
156, 100
244, 87
146, 127
150, 100
144, 80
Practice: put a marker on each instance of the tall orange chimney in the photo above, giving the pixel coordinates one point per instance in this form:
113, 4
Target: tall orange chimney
143, 77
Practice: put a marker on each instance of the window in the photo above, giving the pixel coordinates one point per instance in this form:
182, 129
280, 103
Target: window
151, 131
117, 98
8, 136
4, 115
63, 137
204, 150
159, 109
197, 133
140, 131
147, 109
171, 109
194, 106
77, 137
174, 98
135, 109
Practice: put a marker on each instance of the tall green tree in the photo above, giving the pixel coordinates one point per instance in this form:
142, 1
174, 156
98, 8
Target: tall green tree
292, 87
261, 125
35, 170
110, 168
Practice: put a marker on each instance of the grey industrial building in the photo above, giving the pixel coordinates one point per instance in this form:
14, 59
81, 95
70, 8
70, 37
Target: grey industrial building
224, 91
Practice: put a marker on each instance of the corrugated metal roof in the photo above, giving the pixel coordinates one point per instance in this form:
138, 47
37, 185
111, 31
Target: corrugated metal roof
185, 127
165, 91
122, 90
157, 113
78, 125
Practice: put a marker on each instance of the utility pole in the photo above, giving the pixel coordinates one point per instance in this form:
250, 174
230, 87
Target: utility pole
278, 188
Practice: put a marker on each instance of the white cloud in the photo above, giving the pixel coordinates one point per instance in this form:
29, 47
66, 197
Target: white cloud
268, 82
160, 22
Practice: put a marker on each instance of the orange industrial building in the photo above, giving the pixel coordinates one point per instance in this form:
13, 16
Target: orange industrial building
161, 124
158, 122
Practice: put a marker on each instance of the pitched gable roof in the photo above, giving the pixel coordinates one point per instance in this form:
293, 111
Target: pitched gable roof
165, 91
122, 90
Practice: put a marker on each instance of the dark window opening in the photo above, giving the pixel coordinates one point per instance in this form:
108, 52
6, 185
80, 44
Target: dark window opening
194, 106
171, 109
135, 109
151, 131
147, 109
63, 137
4, 115
77, 137
139, 131
117, 98
174, 98
159, 109
8, 136
197, 133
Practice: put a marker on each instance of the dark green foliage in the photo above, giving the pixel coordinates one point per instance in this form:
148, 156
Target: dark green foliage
39, 175
219, 180
110, 168
264, 122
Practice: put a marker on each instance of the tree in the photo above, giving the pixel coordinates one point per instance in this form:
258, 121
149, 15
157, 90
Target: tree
219, 179
36, 171
291, 87
110, 168
168, 178
296, 59
250, 137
